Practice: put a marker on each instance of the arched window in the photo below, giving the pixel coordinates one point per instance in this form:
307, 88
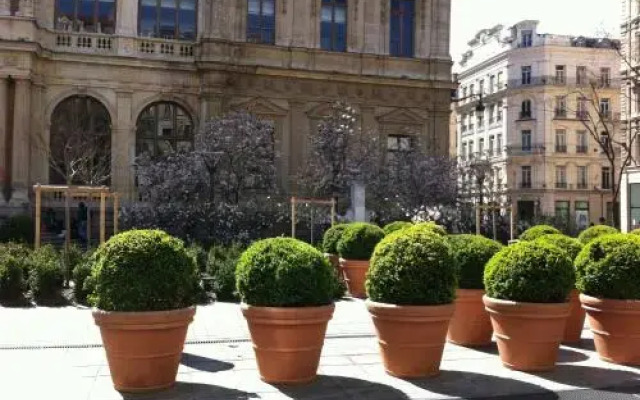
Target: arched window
80, 142
86, 15
333, 26
162, 128
168, 19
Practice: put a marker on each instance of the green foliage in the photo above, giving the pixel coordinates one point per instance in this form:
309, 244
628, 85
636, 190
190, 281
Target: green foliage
609, 267
595, 232
332, 237
222, 269
200, 255
143, 270
471, 254
80, 276
635, 232
339, 286
412, 267
45, 274
531, 272
538, 231
11, 276
570, 245
18, 228
359, 240
20, 252
396, 226
430, 227
284, 272
70, 258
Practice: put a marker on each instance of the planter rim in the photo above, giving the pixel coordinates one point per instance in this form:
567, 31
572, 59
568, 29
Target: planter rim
389, 307
287, 315
176, 311
135, 319
285, 310
522, 303
354, 260
609, 303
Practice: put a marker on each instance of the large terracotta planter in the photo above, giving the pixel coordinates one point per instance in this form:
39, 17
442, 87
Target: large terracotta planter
144, 348
288, 341
616, 328
470, 325
355, 274
575, 322
528, 334
411, 338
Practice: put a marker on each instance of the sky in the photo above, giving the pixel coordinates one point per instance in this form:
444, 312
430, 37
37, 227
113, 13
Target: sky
571, 17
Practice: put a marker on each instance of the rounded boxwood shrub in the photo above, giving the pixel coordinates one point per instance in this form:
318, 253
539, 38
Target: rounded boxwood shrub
609, 267
11, 278
331, 238
596, 231
284, 272
143, 270
431, 227
538, 231
531, 272
412, 267
570, 245
46, 275
471, 254
221, 267
358, 241
396, 226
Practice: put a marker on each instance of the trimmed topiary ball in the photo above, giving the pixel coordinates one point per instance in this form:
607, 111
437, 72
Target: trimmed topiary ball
412, 267
332, 237
538, 231
143, 270
284, 272
570, 245
429, 227
531, 272
396, 226
358, 241
471, 254
596, 231
609, 267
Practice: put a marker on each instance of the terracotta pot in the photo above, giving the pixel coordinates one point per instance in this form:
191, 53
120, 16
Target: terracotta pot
288, 341
616, 328
528, 334
144, 348
355, 274
411, 338
470, 325
575, 322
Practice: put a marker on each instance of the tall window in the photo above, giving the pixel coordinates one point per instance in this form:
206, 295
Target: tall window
397, 144
86, 15
527, 39
561, 177
333, 27
581, 109
561, 74
526, 75
526, 141
492, 145
605, 108
499, 81
261, 21
402, 28
499, 111
162, 128
634, 206
481, 147
561, 107
605, 77
492, 84
481, 86
168, 19
582, 177
562, 210
499, 144
581, 75
581, 139
525, 181
561, 141
525, 109
606, 178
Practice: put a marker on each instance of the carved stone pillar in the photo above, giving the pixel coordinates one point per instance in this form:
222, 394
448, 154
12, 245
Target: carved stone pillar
4, 153
21, 140
123, 143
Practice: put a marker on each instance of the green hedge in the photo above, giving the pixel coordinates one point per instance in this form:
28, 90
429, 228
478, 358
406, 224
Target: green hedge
284, 272
609, 267
82, 286
18, 228
46, 275
358, 241
11, 277
538, 231
412, 267
221, 266
331, 238
596, 231
396, 226
471, 254
570, 245
143, 270
532, 272
21, 253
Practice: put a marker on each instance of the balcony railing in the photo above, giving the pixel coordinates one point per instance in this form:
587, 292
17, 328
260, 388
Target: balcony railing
582, 185
526, 150
560, 113
582, 149
561, 185
560, 148
525, 115
582, 115
85, 42
563, 81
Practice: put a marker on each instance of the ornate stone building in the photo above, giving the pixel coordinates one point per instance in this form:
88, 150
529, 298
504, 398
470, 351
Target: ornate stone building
147, 74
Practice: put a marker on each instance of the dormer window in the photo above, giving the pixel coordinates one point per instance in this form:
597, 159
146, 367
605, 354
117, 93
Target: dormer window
527, 39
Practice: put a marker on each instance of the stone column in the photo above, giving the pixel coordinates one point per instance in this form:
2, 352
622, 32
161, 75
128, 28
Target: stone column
4, 106
21, 139
123, 142
39, 167
298, 131
127, 17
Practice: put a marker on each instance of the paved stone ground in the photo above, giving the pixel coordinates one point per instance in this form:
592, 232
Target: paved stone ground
49, 353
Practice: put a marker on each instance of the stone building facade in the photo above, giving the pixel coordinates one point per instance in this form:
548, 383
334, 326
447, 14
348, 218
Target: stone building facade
531, 131
153, 71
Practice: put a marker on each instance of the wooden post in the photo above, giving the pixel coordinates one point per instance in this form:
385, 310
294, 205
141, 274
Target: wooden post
38, 216
293, 217
103, 211
116, 206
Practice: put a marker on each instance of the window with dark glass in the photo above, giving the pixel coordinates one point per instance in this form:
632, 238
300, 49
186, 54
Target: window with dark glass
261, 21
163, 128
333, 25
402, 28
97, 16
168, 19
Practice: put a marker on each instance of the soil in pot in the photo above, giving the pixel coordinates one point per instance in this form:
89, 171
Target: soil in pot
616, 328
288, 341
411, 338
470, 325
528, 334
144, 348
355, 274
575, 322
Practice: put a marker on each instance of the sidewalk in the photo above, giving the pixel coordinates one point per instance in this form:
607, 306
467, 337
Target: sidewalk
218, 363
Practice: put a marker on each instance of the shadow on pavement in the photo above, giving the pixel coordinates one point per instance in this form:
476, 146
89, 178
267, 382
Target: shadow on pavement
592, 377
470, 385
328, 387
564, 355
204, 364
584, 344
22, 302
186, 390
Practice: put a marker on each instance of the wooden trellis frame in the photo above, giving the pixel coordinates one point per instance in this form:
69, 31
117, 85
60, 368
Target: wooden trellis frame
90, 192
303, 200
